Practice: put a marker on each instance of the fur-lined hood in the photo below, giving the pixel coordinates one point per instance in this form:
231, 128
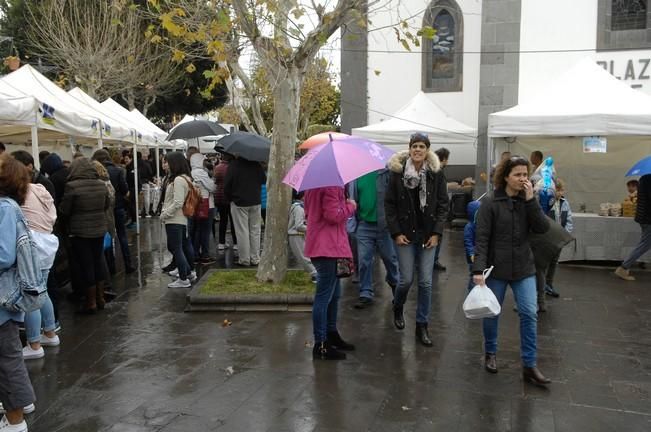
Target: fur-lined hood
397, 162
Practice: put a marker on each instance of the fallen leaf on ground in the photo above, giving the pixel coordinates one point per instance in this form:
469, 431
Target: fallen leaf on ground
229, 370
405, 408
227, 323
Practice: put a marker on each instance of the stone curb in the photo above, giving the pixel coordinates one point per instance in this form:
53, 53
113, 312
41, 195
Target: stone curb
196, 302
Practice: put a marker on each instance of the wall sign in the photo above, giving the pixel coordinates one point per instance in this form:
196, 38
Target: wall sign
595, 144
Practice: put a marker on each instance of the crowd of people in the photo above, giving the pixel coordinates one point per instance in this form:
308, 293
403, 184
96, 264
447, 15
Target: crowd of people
83, 209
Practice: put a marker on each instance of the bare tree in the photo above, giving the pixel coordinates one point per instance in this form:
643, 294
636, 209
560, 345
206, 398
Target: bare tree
100, 46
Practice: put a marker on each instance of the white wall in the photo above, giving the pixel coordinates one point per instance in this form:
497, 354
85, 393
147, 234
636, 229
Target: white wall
562, 25
400, 70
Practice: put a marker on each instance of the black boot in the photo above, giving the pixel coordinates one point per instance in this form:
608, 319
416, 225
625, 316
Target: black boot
490, 363
422, 334
534, 376
335, 341
398, 317
324, 351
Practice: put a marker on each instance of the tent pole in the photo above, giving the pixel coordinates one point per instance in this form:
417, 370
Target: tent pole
157, 161
135, 181
37, 162
489, 150
100, 142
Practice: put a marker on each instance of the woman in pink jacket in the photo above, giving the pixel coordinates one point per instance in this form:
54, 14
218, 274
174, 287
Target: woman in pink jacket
327, 210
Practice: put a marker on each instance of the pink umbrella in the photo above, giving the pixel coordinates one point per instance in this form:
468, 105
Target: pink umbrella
337, 162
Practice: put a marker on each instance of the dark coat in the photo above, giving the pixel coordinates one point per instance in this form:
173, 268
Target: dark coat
58, 175
400, 208
243, 183
39, 178
118, 177
502, 235
85, 201
643, 211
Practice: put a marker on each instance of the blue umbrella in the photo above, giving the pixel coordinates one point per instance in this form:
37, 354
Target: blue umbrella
641, 168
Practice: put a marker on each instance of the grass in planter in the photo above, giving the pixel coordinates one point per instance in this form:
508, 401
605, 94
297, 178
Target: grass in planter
244, 282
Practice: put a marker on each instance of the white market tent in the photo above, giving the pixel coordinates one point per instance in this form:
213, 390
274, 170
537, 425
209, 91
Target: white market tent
144, 135
585, 101
59, 111
421, 114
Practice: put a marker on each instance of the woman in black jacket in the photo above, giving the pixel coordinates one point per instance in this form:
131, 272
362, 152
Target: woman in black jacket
415, 204
504, 221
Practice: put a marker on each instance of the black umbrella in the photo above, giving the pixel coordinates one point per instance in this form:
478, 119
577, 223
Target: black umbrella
196, 129
246, 145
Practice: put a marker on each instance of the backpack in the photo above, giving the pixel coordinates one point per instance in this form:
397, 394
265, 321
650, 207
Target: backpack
23, 287
192, 199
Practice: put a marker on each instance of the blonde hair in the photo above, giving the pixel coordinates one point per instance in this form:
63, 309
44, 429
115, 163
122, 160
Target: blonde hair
101, 171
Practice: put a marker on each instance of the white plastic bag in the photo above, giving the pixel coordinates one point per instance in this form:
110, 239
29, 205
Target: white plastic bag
481, 302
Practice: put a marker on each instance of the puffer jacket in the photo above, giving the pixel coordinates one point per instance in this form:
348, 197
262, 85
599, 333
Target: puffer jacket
400, 208
57, 174
202, 179
501, 236
85, 201
643, 211
327, 211
219, 174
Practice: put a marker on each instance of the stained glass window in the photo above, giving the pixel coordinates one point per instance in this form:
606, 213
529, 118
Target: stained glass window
443, 46
443, 54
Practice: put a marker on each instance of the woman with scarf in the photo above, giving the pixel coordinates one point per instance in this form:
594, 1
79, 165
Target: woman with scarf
416, 206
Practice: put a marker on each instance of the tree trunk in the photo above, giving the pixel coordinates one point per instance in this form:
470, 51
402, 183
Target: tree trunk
149, 101
273, 264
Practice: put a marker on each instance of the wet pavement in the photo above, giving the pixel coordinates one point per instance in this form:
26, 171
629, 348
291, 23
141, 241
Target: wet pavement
144, 365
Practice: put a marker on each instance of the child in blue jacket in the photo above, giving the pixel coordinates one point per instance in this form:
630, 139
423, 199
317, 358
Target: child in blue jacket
469, 237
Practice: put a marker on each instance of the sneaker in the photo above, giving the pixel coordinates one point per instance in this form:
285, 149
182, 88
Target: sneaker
234, 247
50, 342
363, 303
624, 274
174, 273
221, 247
550, 291
6, 427
180, 283
207, 261
57, 327
439, 266
168, 268
193, 276
30, 354
29, 409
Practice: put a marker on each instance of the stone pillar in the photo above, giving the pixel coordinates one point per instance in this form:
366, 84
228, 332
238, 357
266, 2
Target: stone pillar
500, 64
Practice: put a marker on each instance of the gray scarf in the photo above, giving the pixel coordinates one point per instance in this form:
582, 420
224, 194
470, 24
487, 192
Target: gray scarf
413, 179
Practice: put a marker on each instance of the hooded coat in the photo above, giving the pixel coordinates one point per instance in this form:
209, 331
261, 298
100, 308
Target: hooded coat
85, 201
202, 179
400, 208
57, 174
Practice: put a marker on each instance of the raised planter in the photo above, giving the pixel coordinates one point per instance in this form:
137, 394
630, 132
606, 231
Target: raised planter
197, 301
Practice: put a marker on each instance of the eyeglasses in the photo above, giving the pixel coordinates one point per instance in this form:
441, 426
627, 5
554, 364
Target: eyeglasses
418, 136
518, 159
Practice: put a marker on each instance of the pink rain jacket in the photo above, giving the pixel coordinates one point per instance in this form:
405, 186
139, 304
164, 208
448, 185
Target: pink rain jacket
326, 210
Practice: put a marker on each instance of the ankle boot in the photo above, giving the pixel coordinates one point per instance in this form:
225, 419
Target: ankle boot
398, 317
422, 334
90, 305
335, 341
325, 351
534, 376
101, 302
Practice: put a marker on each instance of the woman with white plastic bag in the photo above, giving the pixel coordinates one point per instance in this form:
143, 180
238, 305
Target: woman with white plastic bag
481, 302
504, 221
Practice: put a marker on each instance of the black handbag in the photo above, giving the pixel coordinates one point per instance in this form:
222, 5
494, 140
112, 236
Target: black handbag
345, 267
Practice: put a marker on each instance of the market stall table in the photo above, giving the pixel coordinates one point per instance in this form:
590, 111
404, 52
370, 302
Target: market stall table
603, 238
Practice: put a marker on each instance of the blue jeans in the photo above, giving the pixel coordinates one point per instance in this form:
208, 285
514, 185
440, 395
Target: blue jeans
326, 298
408, 256
33, 321
642, 247
368, 238
178, 243
121, 231
524, 292
201, 235
437, 252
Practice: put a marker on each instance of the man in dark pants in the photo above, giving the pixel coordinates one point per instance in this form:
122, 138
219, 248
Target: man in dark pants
118, 179
444, 156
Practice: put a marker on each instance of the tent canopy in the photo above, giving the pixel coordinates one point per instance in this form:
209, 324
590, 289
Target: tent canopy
585, 101
421, 114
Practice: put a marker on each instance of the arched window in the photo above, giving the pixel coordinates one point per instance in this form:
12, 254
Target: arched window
443, 55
